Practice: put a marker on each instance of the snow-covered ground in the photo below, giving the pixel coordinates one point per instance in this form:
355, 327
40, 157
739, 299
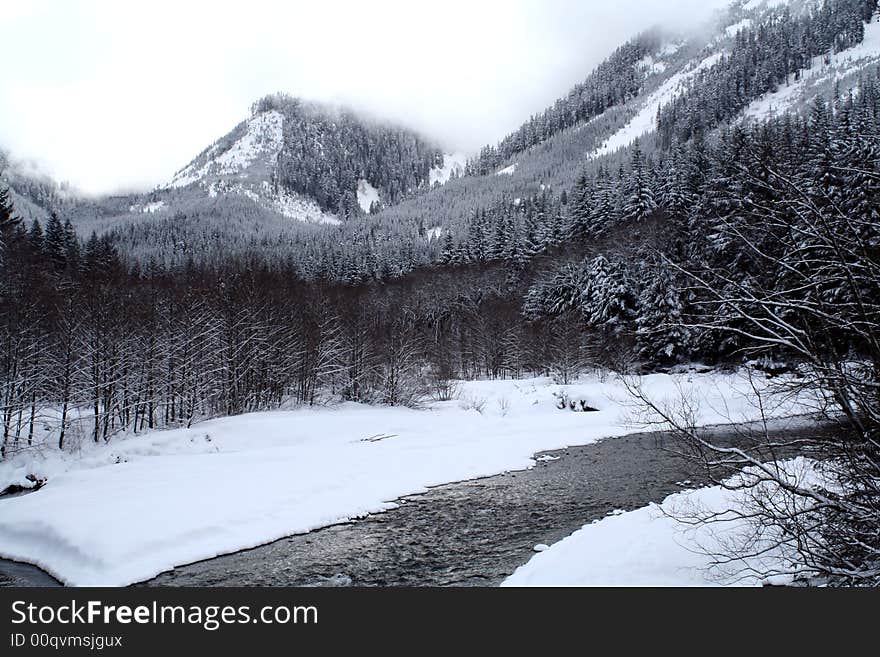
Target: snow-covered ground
122, 512
507, 171
660, 545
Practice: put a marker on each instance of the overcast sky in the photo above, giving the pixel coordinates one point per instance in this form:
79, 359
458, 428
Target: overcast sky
112, 94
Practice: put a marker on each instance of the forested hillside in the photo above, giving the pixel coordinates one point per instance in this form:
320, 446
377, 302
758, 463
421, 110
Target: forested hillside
266, 193
608, 271
635, 256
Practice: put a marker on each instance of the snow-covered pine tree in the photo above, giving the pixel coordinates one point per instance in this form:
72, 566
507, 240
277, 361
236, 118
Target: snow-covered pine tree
607, 297
603, 211
675, 198
661, 337
580, 205
556, 295
8, 218
447, 254
8, 221
638, 202
71, 246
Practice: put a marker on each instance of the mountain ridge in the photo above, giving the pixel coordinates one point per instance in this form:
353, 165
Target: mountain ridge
324, 184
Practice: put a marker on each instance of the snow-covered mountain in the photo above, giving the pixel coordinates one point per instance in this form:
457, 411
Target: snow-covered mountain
289, 160
757, 58
313, 163
294, 163
244, 163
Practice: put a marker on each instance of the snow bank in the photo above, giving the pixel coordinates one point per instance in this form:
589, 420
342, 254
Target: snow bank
658, 546
123, 512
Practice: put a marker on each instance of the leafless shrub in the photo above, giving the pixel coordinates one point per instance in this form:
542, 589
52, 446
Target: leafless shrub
503, 406
472, 403
443, 389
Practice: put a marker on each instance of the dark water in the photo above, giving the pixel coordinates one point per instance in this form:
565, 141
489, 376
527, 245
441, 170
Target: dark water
474, 533
13, 573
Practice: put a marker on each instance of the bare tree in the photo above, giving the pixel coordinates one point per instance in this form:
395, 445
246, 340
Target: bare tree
814, 302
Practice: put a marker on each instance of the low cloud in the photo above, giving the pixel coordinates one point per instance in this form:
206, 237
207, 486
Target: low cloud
112, 95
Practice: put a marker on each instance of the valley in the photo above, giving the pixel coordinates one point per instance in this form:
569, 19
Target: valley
333, 349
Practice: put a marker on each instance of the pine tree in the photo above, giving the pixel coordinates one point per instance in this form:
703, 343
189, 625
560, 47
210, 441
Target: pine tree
532, 242
675, 198
71, 247
8, 218
447, 254
662, 340
603, 210
55, 243
608, 300
35, 236
8, 222
639, 202
580, 208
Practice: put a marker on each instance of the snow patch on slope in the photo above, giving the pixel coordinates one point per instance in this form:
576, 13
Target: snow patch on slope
645, 121
507, 171
367, 195
148, 208
751, 5
670, 48
453, 163
301, 208
649, 66
285, 203
736, 28
262, 141
264, 137
823, 69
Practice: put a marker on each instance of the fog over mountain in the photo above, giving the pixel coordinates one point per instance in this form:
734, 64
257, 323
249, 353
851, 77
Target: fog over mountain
113, 96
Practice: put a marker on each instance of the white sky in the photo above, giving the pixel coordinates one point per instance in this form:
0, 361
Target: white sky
112, 94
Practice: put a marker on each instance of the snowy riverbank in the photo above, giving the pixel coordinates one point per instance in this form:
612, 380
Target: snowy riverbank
661, 545
123, 512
